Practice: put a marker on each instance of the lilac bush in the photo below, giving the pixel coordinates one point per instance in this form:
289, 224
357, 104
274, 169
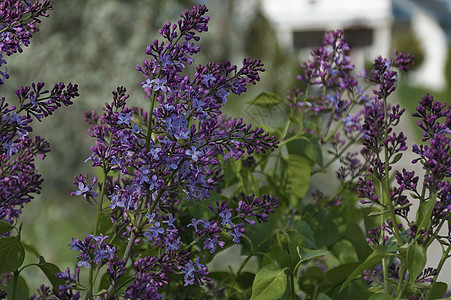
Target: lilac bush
178, 182
317, 240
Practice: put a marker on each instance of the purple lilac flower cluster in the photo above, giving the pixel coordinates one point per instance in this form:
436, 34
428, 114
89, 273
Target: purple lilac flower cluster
66, 291
156, 163
18, 19
381, 144
435, 157
383, 147
328, 74
18, 176
18, 148
93, 250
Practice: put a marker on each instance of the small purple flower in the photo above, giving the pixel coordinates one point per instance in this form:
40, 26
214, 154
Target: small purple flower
194, 223
10, 148
16, 118
194, 153
124, 119
170, 221
83, 188
208, 80
194, 272
222, 94
136, 129
165, 61
33, 101
226, 218
154, 231
159, 84
212, 244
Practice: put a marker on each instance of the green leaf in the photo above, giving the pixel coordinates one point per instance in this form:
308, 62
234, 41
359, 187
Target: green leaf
248, 182
424, 213
307, 254
392, 245
416, 260
303, 228
323, 297
267, 100
231, 169
356, 290
328, 228
374, 258
50, 271
311, 280
298, 171
308, 148
339, 274
396, 159
345, 252
22, 291
12, 254
5, 226
245, 279
438, 290
378, 213
355, 235
269, 283
381, 297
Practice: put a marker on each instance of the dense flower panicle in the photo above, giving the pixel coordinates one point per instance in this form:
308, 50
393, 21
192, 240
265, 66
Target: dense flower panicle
374, 141
168, 156
42, 103
435, 156
384, 74
329, 65
403, 61
329, 70
18, 149
18, 23
430, 112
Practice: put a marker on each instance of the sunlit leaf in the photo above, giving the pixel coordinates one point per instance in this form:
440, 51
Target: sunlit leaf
269, 283
416, 260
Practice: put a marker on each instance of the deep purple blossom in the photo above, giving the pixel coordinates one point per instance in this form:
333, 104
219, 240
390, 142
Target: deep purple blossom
93, 249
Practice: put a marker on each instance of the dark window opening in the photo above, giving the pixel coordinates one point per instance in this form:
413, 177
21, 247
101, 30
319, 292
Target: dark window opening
359, 36
355, 37
308, 39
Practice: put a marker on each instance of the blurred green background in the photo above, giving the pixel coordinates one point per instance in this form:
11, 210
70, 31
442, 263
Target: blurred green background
97, 44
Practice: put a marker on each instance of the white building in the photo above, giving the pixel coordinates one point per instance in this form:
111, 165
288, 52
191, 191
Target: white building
431, 22
301, 24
